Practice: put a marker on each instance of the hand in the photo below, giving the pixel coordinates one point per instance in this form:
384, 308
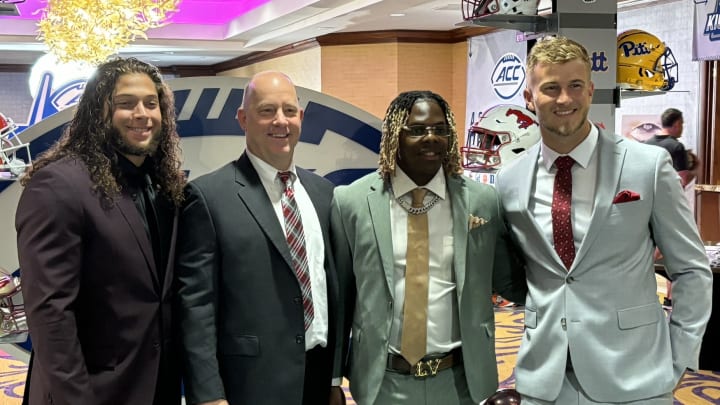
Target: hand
216, 402
337, 396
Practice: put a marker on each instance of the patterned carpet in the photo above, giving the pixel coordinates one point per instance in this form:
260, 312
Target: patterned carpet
696, 389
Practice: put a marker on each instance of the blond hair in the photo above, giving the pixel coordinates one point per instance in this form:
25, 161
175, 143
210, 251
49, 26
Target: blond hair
557, 50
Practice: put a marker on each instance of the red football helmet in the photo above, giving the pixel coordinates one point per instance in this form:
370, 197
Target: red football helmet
502, 133
13, 323
10, 143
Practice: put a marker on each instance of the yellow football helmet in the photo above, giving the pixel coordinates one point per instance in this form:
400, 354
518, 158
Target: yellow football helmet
644, 62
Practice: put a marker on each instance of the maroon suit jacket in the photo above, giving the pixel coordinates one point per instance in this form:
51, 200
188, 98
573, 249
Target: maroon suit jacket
100, 321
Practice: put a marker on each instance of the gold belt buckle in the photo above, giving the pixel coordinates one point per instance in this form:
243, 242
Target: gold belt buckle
427, 368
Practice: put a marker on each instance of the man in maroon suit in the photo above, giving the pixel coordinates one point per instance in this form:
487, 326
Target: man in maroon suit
96, 228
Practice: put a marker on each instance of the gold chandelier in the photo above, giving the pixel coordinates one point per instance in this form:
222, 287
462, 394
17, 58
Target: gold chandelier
92, 30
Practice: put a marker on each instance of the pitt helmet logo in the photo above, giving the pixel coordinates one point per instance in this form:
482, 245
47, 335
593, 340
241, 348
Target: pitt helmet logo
524, 121
631, 48
508, 76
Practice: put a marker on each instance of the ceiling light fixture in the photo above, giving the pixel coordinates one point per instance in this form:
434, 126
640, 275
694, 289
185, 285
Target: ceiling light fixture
90, 31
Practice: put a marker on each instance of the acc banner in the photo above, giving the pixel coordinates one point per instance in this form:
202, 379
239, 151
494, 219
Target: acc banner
706, 30
496, 73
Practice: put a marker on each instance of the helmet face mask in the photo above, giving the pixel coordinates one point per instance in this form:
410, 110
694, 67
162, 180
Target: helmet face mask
500, 135
473, 9
644, 62
10, 164
13, 322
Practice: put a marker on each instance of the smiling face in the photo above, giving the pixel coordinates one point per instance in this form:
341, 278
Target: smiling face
136, 116
561, 95
271, 117
420, 157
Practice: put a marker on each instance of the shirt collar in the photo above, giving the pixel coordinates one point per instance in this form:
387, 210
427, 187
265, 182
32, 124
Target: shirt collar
581, 154
402, 184
266, 172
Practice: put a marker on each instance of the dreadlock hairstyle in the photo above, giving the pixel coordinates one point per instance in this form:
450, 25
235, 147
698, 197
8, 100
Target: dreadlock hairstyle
396, 117
89, 135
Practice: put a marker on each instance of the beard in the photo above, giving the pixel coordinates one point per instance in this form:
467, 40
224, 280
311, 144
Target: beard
122, 146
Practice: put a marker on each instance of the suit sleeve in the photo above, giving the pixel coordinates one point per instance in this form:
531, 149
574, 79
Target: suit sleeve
509, 270
346, 281
197, 276
686, 263
49, 223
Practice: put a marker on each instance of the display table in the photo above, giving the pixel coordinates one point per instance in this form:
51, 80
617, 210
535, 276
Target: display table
710, 349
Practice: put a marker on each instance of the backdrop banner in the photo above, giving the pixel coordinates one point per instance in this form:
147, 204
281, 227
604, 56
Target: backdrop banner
496, 73
706, 29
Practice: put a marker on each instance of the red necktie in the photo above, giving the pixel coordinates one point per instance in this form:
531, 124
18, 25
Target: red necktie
562, 196
296, 241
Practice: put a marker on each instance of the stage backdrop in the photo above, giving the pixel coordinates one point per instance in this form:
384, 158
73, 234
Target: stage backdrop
338, 141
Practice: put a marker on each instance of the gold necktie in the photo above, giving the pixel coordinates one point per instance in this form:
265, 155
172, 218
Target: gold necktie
417, 258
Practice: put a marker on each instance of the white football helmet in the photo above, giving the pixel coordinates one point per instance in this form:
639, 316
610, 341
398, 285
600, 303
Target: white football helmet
500, 135
473, 9
10, 164
13, 323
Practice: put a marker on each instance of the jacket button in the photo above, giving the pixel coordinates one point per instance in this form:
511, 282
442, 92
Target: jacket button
297, 300
570, 280
299, 339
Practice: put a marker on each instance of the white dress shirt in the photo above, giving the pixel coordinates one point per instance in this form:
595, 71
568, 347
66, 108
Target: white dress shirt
584, 179
317, 333
443, 332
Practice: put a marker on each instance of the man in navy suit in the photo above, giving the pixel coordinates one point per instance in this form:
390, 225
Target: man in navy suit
256, 330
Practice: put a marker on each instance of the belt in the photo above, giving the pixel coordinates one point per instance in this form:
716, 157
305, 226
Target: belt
428, 366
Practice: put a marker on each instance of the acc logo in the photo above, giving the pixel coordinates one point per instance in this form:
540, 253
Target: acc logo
508, 76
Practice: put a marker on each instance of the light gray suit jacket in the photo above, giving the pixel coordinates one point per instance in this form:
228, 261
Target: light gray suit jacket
605, 311
360, 220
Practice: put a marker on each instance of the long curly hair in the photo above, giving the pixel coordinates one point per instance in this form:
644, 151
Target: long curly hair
396, 117
89, 135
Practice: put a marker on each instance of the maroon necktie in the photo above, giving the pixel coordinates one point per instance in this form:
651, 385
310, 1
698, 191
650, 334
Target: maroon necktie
296, 241
562, 196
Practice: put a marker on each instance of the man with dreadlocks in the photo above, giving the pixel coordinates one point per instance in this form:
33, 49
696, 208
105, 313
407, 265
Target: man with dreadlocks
96, 235
417, 276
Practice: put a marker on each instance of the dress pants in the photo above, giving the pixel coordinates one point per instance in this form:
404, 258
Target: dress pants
572, 393
448, 387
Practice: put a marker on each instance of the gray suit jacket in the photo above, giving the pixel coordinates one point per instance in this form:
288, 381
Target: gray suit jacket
360, 220
605, 311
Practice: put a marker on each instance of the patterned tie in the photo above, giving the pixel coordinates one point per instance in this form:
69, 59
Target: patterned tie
562, 196
414, 332
296, 242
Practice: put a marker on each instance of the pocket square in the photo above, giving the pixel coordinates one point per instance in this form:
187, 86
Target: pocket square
476, 222
626, 196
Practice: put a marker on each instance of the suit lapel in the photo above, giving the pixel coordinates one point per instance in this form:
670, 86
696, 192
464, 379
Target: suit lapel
379, 205
460, 216
611, 156
253, 195
130, 212
526, 170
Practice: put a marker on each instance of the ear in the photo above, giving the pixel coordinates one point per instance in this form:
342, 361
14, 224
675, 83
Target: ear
242, 118
527, 94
